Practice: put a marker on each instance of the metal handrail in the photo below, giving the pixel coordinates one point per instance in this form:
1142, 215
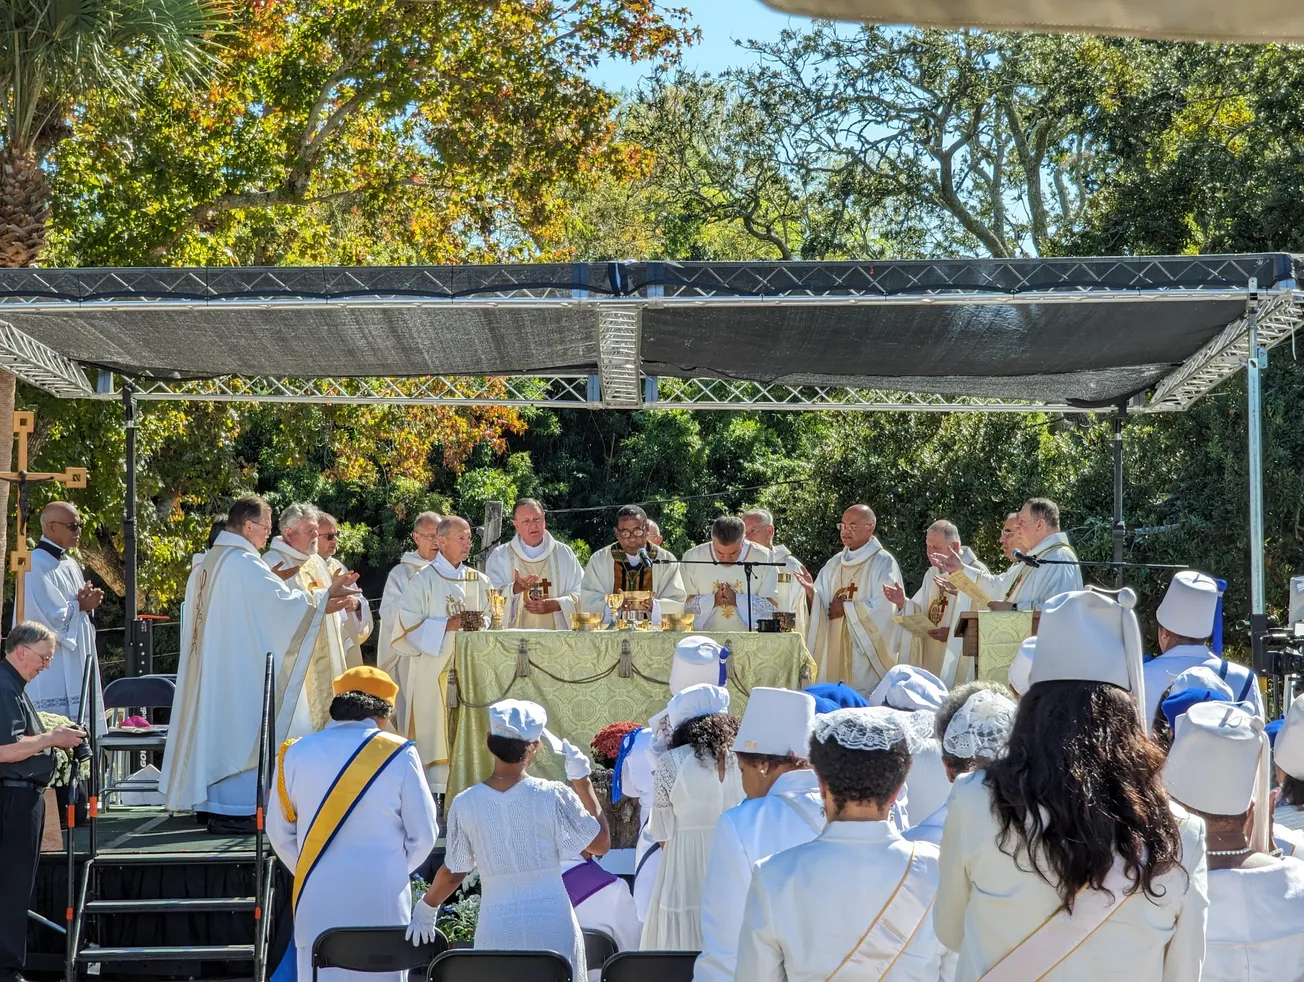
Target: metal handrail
266, 736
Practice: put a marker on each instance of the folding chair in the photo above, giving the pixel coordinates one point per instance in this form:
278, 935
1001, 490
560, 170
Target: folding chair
481, 965
373, 949
599, 947
141, 692
650, 966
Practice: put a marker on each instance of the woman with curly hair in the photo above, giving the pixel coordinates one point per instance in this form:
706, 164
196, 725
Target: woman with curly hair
697, 780
1065, 861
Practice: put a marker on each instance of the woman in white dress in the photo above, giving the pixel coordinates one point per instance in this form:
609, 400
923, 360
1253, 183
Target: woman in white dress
697, 780
516, 829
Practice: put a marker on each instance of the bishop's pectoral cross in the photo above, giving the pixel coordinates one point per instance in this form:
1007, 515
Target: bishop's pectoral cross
848, 592
20, 557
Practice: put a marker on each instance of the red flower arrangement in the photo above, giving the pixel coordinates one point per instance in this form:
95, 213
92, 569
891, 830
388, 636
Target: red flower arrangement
606, 745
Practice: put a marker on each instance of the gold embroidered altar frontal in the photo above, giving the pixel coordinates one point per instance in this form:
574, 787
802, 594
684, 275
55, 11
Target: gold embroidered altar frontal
576, 677
1000, 633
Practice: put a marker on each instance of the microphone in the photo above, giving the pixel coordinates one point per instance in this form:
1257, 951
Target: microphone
1027, 560
643, 556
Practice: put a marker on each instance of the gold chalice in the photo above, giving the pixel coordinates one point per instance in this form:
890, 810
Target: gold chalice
586, 621
497, 606
614, 602
678, 622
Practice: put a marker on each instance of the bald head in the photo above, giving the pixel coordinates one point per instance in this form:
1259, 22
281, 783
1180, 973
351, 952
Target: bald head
857, 526
61, 524
453, 536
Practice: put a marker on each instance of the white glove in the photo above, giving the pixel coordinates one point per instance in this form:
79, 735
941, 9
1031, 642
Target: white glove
577, 764
421, 929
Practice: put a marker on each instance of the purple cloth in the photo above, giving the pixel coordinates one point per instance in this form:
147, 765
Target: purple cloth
586, 879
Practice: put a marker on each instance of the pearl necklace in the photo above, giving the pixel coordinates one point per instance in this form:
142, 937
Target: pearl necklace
1230, 852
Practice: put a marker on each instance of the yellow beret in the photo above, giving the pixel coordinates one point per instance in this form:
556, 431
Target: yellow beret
367, 679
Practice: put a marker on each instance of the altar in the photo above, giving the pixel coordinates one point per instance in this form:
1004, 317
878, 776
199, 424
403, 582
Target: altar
587, 680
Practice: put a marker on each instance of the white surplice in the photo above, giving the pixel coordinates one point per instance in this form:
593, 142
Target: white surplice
600, 578
811, 906
1161, 671
791, 813
356, 625
987, 905
552, 561
1029, 587
1256, 924
418, 634
387, 659
859, 647
700, 583
792, 595
52, 584
363, 878
942, 658
237, 610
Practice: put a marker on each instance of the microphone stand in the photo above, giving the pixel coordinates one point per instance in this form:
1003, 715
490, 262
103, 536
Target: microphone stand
1034, 562
748, 565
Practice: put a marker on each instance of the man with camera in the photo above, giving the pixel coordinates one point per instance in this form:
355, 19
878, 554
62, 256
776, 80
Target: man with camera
26, 767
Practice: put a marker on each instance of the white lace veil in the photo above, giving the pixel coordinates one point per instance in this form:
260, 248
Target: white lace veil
981, 727
874, 728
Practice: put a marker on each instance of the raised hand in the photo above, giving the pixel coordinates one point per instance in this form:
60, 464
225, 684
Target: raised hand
896, 596
947, 562
522, 584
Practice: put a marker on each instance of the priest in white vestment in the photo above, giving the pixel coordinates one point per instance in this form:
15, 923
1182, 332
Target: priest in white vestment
363, 876
1185, 617
796, 585
238, 610
718, 594
783, 809
356, 624
425, 632
855, 902
1023, 587
1218, 767
632, 564
940, 650
424, 537
1080, 715
539, 575
293, 555
59, 597
853, 637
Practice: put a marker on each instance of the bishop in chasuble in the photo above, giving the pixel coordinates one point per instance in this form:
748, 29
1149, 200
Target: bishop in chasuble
237, 610
424, 533
853, 637
620, 568
425, 632
539, 575
939, 651
293, 556
717, 595
796, 586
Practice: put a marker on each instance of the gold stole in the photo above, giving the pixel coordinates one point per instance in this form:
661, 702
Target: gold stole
893, 927
358, 774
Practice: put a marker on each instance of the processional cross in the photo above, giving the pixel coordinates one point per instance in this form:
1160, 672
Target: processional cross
20, 557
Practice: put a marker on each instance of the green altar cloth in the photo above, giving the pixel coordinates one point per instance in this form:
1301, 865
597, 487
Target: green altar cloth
575, 676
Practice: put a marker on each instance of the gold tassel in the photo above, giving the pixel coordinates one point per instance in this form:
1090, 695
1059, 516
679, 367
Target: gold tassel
452, 701
626, 659
523, 661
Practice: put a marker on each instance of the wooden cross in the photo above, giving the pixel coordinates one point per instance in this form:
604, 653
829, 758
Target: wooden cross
545, 585
850, 592
20, 557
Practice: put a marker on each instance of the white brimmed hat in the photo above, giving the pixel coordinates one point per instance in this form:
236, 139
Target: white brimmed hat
518, 719
909, 688
776, 722
1021, 667
697, 700
1189, 606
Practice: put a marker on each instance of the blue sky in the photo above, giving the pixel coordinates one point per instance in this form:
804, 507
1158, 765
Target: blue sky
721, 21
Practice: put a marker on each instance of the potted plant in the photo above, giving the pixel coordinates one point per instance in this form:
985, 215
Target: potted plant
623, 816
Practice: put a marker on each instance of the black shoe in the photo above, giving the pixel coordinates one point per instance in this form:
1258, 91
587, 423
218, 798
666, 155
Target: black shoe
231, 825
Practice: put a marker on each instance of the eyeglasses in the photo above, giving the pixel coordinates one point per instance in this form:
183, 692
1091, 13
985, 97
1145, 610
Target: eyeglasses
850, 527
631, 533
332, 536
75, 526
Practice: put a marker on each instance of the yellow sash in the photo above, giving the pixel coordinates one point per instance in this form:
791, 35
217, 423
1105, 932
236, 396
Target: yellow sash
352, 782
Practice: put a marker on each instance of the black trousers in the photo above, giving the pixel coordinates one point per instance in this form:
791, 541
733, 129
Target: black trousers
22, 819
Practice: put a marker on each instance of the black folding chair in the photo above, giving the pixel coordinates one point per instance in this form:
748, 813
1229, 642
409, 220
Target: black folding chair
373, 949
650, 966
125, 752
599, 946
472, 965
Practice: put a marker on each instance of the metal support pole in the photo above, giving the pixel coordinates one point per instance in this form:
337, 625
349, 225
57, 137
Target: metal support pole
132, 650
1255, 363
1120, 528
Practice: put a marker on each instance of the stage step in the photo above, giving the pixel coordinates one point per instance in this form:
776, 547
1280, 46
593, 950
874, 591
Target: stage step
203, 905
198, 953
174, 858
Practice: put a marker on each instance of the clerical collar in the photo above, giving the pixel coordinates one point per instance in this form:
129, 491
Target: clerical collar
280, 545
45, 545
534, 552
853, 556
1050, 542
446, 566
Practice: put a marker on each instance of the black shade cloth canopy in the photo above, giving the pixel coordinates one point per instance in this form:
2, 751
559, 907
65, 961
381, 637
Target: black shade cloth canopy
1076, 331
